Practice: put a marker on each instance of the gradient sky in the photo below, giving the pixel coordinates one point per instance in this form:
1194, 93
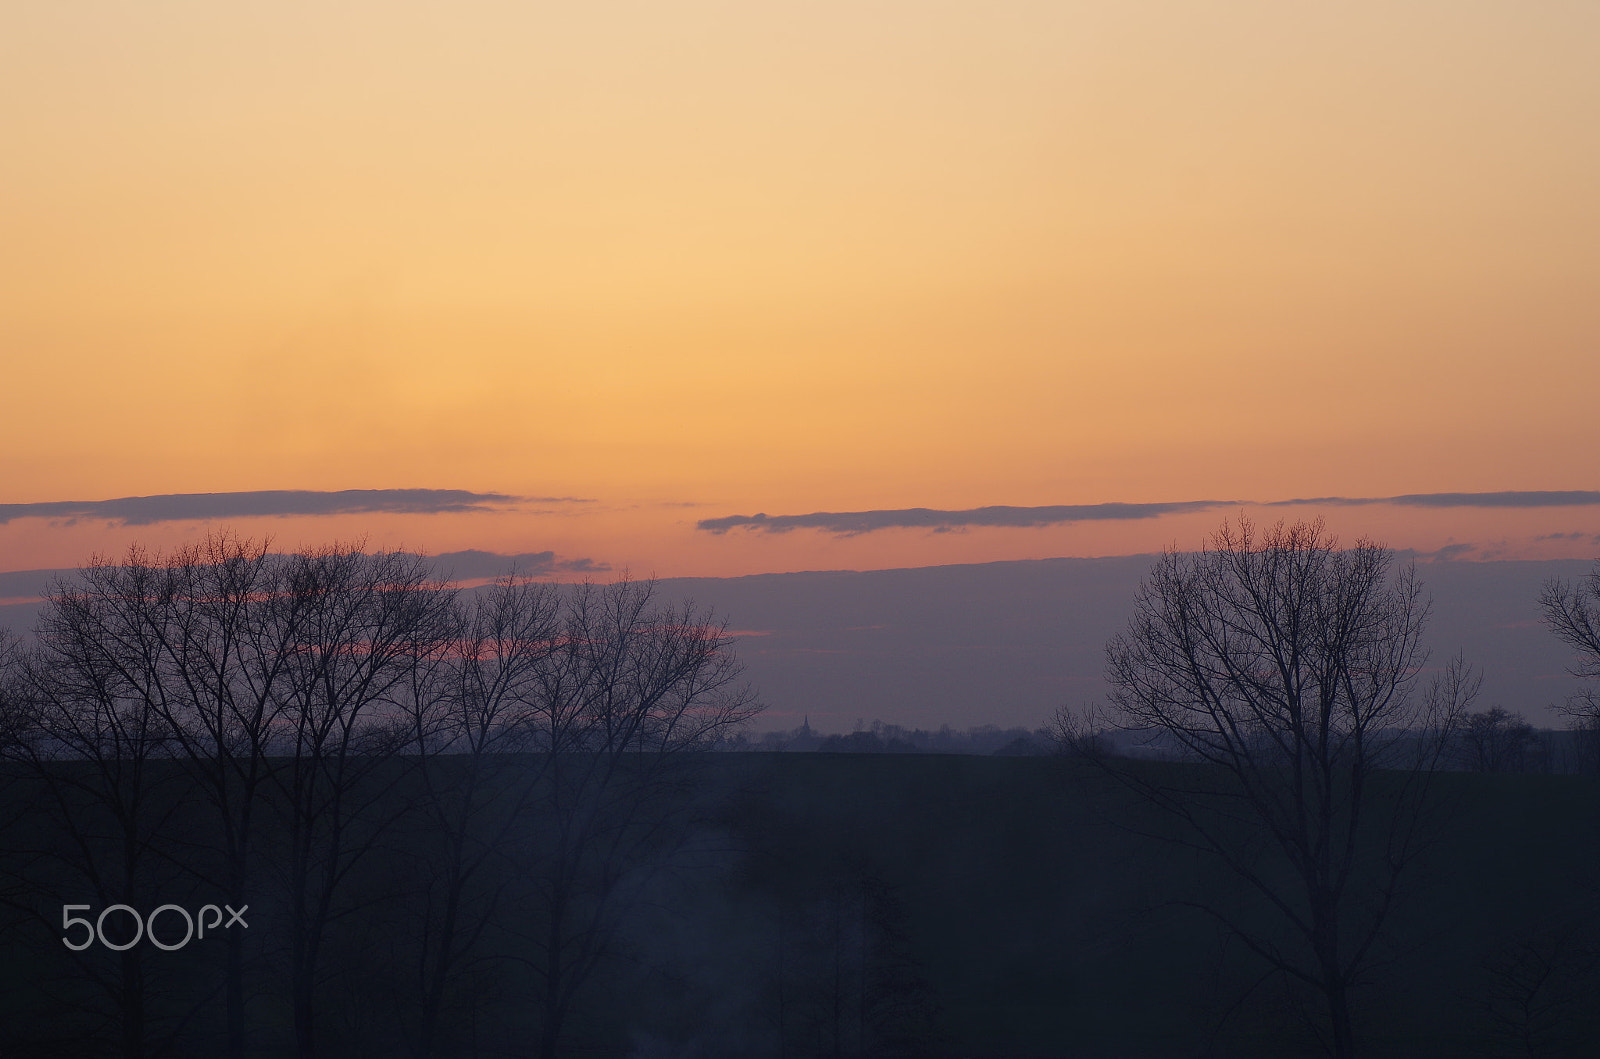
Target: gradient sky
659, 263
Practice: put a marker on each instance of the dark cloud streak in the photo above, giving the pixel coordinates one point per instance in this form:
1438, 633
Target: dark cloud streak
269, 503
1508, 499
850, 523
853, 523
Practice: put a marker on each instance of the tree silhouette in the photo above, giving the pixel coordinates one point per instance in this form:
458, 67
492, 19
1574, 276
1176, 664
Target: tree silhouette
468, 714
355, 627
632, 695
1572, 610
98, 738
1494, 741
1284, 668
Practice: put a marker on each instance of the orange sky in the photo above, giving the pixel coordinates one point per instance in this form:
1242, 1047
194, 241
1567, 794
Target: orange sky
789, 257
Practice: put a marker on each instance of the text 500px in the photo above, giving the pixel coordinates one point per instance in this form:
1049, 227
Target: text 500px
143, 926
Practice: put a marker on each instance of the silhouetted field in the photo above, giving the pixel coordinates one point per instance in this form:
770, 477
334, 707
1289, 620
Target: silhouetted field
821, 905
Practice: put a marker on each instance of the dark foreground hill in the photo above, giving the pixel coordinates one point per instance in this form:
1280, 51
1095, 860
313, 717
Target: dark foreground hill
833, 905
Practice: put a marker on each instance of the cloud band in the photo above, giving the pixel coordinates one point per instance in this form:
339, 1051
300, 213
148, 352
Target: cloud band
266, 503
852, 523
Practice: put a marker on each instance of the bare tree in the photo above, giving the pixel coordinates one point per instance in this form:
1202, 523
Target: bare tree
186, 630
198, 636
265, 677
98, 740
14, 720
353, 627
223, 661
1572, 610
1582, 710
1494, 741
634, 692
1537, 986
468, 714
313, 700
1286, 668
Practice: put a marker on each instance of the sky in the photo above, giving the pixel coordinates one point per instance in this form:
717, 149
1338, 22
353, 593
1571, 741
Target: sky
920, 283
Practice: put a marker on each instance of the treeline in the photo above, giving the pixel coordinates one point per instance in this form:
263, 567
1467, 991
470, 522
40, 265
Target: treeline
1492, 740
1495, 740
382, 780
881, 738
